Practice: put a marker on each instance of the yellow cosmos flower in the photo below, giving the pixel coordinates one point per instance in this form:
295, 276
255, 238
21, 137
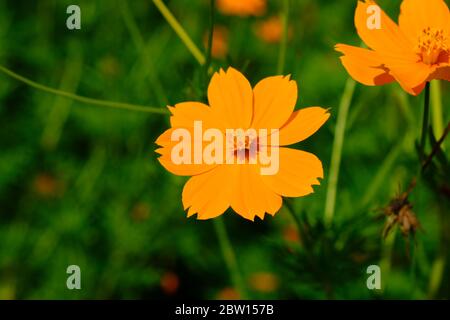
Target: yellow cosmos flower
242, 183
415, 51
242, 7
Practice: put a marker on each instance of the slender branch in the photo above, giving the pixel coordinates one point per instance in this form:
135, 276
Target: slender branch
436, 108
82, 99
210, 35
425, 121
179, 30
230, 257
146, 61
290, 208
284, 39
337, 150
436, 148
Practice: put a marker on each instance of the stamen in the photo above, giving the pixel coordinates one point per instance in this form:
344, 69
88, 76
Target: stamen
245, 147
432, 43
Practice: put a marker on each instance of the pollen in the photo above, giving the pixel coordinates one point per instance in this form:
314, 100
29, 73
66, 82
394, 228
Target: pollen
432, 43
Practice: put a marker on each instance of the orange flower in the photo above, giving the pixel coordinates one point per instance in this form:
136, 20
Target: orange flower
220, 42
47, 186
170, 283
241, 184
271, 30
242, 7
265, 282
228, 294
412, 53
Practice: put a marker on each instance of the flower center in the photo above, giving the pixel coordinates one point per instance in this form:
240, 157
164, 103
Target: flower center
245, 145
432, 43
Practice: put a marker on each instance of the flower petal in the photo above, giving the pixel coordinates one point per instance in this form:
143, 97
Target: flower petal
416, 15
274, 101
242, 8
411, 75
302, 124
238, 186
209, 194
388, 38
184, 114
230, 96
298, 171
252, 197
167, 144
364, 65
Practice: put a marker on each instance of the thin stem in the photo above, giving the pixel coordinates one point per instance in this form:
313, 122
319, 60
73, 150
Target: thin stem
179, 30
436, 147
380, 177
230, 257
437, 272
386, 257
290, 209
436, 108
211, 35
425, 120
284, 39
336, 155
139, 43
86, 100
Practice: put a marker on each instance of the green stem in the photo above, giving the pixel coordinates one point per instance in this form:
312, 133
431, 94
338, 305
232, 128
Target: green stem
381, 176
230, 257
436, 108
86, 100
284, 39
139, 43
436, 148
290, 208
386, 257
336, 155
210, 36
437, 272
179, 30
425, 120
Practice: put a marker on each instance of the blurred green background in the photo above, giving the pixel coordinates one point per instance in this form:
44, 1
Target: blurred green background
81, 184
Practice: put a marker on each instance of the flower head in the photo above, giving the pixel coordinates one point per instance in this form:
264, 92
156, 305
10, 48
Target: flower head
242, 7
271, 30
219, 48
415, 51
235, 148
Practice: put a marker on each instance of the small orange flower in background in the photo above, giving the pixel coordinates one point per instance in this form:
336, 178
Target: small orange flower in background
242, 7
140, 212
412, 53
233, 104
271, 30
291, 234
170, 283
219, 48
265, 282
48, 186
228, 294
